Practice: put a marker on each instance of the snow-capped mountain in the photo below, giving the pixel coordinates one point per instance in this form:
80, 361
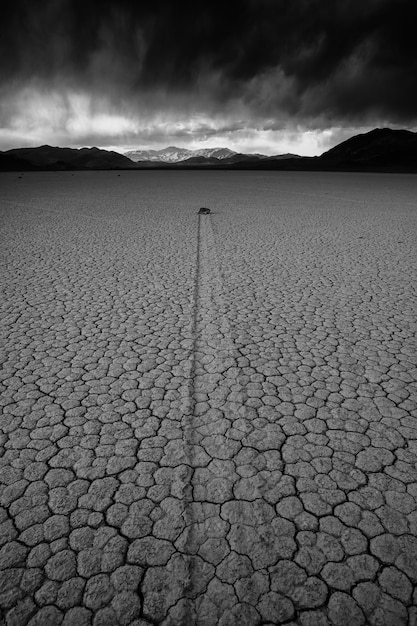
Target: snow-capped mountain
172, 154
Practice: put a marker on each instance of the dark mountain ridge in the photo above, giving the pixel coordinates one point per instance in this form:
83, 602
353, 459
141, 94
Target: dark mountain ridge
379, 147
54, 158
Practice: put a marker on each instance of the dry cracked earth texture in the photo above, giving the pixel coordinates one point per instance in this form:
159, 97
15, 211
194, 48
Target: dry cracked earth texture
208, 420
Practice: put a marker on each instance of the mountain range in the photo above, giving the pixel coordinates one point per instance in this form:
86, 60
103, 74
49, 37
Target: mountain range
172, 154
382, 149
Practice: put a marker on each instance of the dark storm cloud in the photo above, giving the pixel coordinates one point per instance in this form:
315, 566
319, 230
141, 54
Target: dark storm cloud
326, 61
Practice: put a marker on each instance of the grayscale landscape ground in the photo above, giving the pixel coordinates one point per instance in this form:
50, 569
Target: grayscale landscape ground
211, 419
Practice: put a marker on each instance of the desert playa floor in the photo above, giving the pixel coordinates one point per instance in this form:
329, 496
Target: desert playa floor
208, 420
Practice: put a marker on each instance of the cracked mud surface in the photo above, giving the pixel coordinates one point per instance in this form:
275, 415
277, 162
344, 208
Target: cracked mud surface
208, 420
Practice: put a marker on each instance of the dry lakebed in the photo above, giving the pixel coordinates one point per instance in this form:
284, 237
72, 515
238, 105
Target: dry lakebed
208, 419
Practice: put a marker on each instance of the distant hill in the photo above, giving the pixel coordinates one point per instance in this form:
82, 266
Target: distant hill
380, 148
51, 158
287, 155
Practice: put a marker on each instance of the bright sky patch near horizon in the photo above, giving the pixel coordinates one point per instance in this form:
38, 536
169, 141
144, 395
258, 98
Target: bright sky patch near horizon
267, 76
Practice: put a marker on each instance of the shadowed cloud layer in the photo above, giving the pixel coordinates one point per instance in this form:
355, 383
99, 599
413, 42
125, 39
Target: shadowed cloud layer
249, 73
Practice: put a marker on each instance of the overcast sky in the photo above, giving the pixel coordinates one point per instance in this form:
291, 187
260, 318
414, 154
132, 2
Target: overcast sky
268, 76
